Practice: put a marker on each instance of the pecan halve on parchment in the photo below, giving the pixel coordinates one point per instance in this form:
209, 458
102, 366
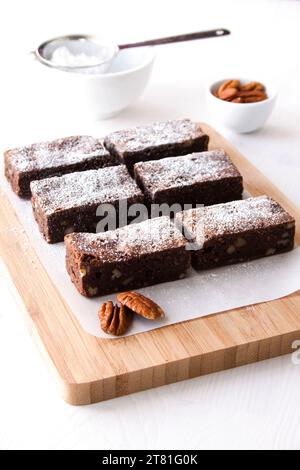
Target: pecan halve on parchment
141, 305
115, 319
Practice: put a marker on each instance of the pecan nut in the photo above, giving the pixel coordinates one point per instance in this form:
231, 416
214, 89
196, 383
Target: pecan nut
141, 305
252, 86
253, 99
228, 84
228, 94
238, 99
252, 94
115, 320
235, 92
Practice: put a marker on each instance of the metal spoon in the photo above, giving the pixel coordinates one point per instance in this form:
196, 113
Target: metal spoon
102, 51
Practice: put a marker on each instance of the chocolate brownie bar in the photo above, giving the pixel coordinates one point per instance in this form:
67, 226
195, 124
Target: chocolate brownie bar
237, 231
130, 257
161, 139
199, 178
68, 203
55, 158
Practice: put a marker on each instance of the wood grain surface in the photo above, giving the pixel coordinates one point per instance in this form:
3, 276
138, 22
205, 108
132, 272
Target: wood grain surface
91, 369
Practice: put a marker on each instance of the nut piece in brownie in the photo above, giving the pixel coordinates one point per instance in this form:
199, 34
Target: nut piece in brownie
237, 231
199, 178
69, 203
130, 257
54, 158
161, 139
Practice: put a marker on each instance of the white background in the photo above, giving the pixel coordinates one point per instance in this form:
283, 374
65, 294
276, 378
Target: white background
254, 407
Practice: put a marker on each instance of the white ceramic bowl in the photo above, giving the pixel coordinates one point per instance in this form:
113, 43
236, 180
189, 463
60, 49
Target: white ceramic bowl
99, 96
240, 117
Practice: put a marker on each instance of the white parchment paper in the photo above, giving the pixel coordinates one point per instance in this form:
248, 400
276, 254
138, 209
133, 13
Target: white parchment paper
197, 295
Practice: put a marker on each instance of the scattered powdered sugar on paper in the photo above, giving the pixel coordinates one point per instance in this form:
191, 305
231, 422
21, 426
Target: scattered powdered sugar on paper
134, 240
186, 170
159, 133
65, 151
254, 213
103, 186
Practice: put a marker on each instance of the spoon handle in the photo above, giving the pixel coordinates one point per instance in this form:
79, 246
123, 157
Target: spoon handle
213, 33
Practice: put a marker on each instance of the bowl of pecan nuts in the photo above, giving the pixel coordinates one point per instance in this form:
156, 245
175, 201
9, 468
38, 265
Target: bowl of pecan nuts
241, 105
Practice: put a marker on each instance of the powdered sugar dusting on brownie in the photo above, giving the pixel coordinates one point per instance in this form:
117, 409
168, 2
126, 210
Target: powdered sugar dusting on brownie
102, 186
235, 217
65, 151
185, 170
159, 133
151, 236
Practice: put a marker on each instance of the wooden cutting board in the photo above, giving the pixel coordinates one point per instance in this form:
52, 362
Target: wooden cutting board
91, 369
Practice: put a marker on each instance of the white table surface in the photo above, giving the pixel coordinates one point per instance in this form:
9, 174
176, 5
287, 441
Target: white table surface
253, 407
